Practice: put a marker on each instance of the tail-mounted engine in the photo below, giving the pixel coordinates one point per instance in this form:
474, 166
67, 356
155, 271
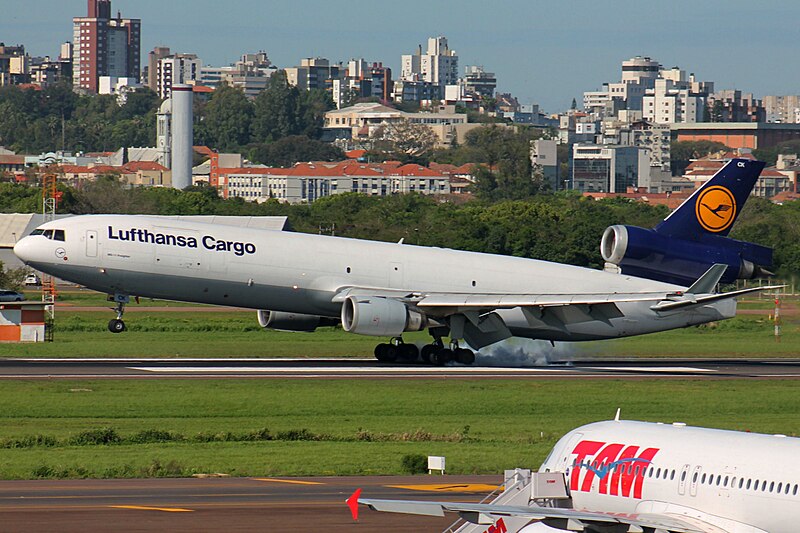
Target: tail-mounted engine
647, 254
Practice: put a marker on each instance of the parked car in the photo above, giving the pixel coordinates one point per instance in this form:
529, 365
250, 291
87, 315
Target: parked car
32, 279
11, 296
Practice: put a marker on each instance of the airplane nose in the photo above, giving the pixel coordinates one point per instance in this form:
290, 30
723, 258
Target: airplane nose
23, 249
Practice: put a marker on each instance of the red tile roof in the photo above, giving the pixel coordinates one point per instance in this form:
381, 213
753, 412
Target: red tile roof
135, 166
772, 172
252, 171
104, 169
785, 196
418, 170
355, 154
205, 150
74, 169
350, 168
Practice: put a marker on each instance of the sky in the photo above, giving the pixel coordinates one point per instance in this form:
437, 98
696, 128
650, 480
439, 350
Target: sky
545, 52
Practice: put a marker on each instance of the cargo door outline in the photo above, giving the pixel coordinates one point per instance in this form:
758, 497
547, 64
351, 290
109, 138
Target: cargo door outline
91, 243
695, 480
396, 278
683, 479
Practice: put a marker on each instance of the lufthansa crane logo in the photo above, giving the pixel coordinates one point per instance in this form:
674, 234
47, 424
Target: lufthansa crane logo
715, 209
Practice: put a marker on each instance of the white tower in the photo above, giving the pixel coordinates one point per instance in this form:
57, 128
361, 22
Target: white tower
164, 133
182, 136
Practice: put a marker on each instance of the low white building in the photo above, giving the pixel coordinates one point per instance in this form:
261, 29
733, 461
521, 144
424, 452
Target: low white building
306, 182
362, 120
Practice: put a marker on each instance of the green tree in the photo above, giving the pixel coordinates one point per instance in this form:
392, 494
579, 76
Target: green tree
138, 103
292, 149
312, 106
403, 141
11, 278
506, 151
770, 155
276, 110
228, 118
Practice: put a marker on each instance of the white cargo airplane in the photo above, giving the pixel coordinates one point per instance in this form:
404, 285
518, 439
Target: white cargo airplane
623, 476
300, 281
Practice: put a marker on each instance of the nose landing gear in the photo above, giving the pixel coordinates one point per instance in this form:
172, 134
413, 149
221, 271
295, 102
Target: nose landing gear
116, 325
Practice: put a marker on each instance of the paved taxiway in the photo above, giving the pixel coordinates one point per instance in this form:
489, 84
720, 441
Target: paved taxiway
227, 504
369, 368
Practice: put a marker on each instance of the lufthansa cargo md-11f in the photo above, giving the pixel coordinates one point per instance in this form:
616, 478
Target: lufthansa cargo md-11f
299, 281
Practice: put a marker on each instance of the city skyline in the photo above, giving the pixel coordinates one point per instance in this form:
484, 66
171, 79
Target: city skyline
545, 54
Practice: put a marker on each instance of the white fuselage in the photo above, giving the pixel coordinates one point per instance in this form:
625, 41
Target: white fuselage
737, 481
300, 273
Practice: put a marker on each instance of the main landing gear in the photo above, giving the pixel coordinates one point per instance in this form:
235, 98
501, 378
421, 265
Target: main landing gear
116, 325
435, 353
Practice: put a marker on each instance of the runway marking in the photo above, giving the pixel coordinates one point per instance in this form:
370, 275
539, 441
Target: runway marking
292, 481
416, 370
334, 370
162, 509
450, 487
676, 369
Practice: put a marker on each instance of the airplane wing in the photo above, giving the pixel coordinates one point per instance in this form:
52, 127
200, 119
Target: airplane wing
484, 513
440, 304
443, 303
473, 316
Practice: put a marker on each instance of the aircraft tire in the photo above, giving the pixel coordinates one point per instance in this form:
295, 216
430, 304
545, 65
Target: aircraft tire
386, 353
464, 356
427, 353
115, 325
381, 352
441, 357
408, 352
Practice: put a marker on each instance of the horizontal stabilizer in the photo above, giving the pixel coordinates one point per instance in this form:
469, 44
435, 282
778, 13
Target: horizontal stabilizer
706, 283
703, 300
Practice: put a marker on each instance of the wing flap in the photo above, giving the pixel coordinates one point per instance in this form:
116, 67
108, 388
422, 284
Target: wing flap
508, 301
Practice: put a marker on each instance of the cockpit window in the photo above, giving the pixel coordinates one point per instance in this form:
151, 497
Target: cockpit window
52, 234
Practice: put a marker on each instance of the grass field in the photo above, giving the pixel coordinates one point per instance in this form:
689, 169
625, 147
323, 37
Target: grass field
125, 428
209, 333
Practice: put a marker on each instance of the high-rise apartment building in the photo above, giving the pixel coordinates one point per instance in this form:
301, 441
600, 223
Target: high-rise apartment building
314, 73
670, 102
251, 74
13, 65
104, 46
479, 81
438, 66
782, 109
644, 79
153, 57
177, 69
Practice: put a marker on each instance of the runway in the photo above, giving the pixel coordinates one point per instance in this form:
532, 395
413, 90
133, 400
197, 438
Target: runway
370, 369
227, 504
